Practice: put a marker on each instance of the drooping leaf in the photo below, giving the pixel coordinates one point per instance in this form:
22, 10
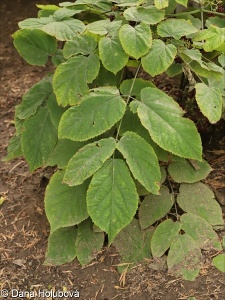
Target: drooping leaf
55, 110
141, 160
174, 70
70, 85
57, 253
153, 208
184, 171
133, 244
65, 206
34, 45
201, 231
38, 138
112, 198
149, 15
14, 148
164, 236
32, 99
219, 262
88, 160
88, 242
161, 116
184, 257
210, 101
104, 107
136, 41
159, 57
198, 199
112, 55
175, 28
81, 44
182, 2
64, 30
63, 152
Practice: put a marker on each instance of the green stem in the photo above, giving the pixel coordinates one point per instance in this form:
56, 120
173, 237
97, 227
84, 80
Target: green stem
128, 98
184, 13
213, 12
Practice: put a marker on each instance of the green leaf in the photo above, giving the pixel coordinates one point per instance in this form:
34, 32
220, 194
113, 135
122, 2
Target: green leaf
64, 12
198, 199
34, 46
136, 41
161, 116
32, 99
38, 138
103, 107
174, 70
55, 110
58, 58
182, 2
112, 199
88, 242
14, 148
64, 30
219, 262
153, 208
149, 15
201, 231
35, 23
106, 78
70, 86
57, 253
99, 27
133, 87
133, 244
111, 53
164, 236
210, 102
214, 38
81, 44
221, 59
88, 160
184, 171
184, 257
141, 160
160, 4
159, 58
63, 152
175, 28
65, 206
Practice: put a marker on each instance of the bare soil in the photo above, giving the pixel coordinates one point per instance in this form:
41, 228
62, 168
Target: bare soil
24, 228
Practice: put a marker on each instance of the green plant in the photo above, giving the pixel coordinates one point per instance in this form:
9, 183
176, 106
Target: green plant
115, 137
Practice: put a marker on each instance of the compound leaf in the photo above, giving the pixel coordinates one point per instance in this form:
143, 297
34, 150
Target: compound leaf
34, 45
198, 199
88, 160
104, 107
38, 138
159, 58
70, 85
65, 206
141, 160
184, 257
161, 116
164, 236
112, 199
175, 28
57, 253
136, 41
210, 102
153, 207
112, 55
88, 242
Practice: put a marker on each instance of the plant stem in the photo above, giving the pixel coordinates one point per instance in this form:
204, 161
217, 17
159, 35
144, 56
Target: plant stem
184, 13
128, 98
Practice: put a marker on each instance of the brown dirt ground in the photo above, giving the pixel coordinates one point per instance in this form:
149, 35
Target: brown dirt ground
24, 228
